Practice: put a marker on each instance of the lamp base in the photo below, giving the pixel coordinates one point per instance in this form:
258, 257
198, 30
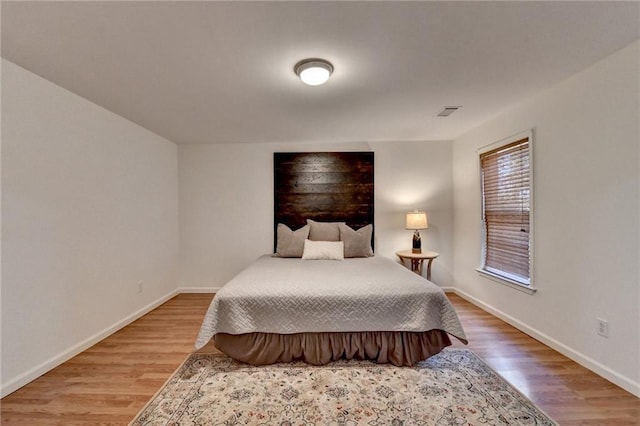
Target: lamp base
417, 242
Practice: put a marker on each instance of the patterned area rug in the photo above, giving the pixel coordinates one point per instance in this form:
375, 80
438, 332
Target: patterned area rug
454, 387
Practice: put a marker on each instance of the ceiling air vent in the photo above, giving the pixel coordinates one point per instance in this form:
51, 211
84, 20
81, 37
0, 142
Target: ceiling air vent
447, 111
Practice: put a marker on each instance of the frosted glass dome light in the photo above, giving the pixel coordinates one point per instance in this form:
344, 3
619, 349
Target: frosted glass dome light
313, 72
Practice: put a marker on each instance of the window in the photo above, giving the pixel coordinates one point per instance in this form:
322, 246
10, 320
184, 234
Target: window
505, 172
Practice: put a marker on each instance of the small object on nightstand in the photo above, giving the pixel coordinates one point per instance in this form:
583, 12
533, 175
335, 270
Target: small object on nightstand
417, 259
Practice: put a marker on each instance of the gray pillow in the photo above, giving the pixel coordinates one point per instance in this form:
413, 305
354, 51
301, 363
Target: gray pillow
356, 243
324, 231
291, 243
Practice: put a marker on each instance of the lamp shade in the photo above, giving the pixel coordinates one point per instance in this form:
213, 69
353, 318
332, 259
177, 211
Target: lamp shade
417, 220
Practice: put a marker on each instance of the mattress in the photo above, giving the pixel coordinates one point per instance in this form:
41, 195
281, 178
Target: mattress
290, 296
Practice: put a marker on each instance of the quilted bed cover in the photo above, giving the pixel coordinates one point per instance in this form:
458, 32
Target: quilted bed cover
286, 296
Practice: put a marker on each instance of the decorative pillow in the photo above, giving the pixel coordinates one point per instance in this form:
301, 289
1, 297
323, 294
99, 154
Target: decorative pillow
356, 243
324, 231
291, 243
327, 250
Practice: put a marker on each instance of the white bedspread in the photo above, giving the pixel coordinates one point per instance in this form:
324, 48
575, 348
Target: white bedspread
278, 295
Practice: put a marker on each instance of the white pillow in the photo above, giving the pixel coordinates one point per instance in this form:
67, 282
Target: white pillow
327, 250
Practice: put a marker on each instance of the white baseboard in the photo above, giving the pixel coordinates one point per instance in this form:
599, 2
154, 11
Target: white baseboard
55, 361
578, 357
587, 362
198, 289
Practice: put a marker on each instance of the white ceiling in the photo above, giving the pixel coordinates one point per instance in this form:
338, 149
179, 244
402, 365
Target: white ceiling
222, 72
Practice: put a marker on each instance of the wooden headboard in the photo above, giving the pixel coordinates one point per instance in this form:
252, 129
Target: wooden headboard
323, 186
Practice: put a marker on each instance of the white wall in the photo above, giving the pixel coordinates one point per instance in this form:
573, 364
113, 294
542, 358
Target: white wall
586, 217
226, 204
413, 175
89, 208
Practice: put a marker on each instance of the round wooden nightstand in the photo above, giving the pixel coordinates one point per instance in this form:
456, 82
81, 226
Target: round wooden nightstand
417, 259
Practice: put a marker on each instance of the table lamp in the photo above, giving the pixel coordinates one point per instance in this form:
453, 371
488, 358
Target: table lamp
417, 220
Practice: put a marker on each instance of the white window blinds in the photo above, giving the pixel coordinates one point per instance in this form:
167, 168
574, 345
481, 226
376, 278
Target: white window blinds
505, 173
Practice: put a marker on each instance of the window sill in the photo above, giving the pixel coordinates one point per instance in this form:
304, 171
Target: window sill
507, 282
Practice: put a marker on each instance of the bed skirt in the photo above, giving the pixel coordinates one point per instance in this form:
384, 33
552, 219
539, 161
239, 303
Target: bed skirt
398, 348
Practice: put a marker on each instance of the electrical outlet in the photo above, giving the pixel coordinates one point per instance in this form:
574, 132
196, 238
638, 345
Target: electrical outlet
139, 287
603, 327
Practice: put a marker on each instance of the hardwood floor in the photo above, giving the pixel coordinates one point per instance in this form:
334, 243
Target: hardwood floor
110, 382
568, 392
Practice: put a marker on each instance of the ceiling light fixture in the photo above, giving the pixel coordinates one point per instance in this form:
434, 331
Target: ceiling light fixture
313, 71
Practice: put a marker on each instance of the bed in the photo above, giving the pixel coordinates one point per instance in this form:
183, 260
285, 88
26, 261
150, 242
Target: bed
285, 306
